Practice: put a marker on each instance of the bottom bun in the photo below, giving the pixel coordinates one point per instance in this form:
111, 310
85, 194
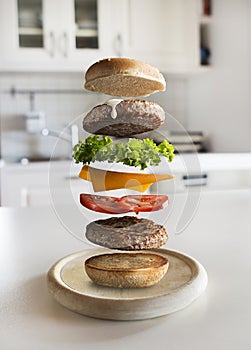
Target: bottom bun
126, 270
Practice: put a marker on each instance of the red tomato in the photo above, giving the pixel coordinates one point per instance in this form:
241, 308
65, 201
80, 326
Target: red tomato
103, 204
130, 203
145, 202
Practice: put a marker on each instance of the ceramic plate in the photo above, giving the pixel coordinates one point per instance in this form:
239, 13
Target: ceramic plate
68, 283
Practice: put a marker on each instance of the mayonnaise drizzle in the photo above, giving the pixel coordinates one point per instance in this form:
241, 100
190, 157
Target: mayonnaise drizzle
113, 103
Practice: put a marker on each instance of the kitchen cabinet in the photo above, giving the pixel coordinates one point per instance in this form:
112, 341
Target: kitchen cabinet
195, 172
164, 33
41, 184
69, 35
56, 35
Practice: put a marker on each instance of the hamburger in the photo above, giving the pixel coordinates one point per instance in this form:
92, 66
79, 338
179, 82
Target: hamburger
99, 152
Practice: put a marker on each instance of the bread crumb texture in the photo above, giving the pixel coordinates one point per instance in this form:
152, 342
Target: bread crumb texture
126, 270
124, 77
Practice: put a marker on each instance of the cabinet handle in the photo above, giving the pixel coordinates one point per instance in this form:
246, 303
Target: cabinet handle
65, 44
52, 44
195, 180
24, 198
119, 45
72, 177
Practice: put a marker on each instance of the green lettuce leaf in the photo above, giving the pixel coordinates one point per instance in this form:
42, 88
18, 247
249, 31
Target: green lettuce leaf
135, 152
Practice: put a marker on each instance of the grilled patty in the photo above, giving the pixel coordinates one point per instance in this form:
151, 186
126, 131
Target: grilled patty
132, 117
126, 233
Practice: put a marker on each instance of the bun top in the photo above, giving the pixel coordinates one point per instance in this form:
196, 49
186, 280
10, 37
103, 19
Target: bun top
124, 77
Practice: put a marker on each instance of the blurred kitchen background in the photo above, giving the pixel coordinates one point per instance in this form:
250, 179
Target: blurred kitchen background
203, 47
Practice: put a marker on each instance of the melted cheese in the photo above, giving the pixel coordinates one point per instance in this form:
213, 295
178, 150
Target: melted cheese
103, 180
113, 103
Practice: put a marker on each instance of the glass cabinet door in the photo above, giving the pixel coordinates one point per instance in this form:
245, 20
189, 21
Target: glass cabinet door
30, 23
86, 22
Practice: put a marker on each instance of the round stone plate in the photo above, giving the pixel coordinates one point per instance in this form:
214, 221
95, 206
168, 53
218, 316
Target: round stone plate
68, 283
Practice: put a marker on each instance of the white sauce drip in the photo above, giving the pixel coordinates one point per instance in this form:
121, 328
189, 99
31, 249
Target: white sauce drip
113, 103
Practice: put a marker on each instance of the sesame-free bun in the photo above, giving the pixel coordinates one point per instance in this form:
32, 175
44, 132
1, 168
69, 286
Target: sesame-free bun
126, 270
124, 77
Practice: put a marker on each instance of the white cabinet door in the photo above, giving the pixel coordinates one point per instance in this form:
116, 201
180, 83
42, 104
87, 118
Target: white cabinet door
28, 36
89, 33
41, 184
56, 35
24, 186
163, 32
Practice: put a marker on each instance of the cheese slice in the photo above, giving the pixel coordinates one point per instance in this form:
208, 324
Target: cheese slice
103, 180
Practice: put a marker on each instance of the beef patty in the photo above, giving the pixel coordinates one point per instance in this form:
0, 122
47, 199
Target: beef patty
126, 233
128, 117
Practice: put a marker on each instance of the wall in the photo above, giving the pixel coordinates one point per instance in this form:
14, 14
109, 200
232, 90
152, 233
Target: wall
59, 109
219, 102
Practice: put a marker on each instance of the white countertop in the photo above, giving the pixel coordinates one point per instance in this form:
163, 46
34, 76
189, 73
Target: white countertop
31, 240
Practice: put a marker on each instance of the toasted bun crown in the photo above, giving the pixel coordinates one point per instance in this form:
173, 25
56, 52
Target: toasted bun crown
124, 77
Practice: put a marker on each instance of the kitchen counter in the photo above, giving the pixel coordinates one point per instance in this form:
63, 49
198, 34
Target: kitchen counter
32, 239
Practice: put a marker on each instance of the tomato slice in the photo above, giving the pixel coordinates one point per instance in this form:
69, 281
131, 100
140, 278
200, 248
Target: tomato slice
144, 203
125, 204
103, 204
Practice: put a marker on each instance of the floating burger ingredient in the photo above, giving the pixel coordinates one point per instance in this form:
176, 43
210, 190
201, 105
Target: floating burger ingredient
135, 152
124, 77
106, 180
125, 204
126, 233
121, 118
124, 118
